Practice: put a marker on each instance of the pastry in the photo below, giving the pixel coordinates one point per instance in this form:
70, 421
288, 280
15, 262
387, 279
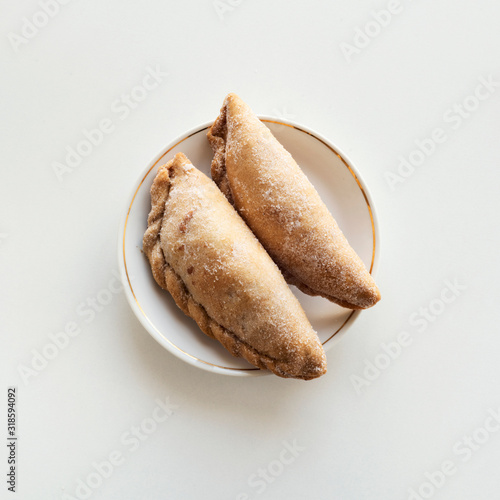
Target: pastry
202, 252
282, 208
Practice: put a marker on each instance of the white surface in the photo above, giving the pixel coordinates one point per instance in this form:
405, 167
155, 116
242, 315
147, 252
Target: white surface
341, 188
58, 250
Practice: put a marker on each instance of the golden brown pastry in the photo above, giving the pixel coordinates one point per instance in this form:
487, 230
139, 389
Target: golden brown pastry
201, 251
279, 204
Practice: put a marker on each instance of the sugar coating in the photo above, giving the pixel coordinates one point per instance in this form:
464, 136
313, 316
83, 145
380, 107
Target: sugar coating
282, 208
219, 273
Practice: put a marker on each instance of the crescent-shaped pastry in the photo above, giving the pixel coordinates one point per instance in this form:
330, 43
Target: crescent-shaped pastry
282, 208
202, 252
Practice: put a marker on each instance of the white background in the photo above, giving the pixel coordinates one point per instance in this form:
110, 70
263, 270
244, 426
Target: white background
58, 249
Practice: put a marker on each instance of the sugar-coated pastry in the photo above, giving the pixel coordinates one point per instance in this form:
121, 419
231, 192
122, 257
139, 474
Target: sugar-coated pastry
282, 208
202, 252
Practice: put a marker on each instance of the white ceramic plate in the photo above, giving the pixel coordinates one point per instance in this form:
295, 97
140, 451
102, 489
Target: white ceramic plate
339, 185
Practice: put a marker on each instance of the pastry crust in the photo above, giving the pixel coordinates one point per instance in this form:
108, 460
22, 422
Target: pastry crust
279, 204
201, 251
